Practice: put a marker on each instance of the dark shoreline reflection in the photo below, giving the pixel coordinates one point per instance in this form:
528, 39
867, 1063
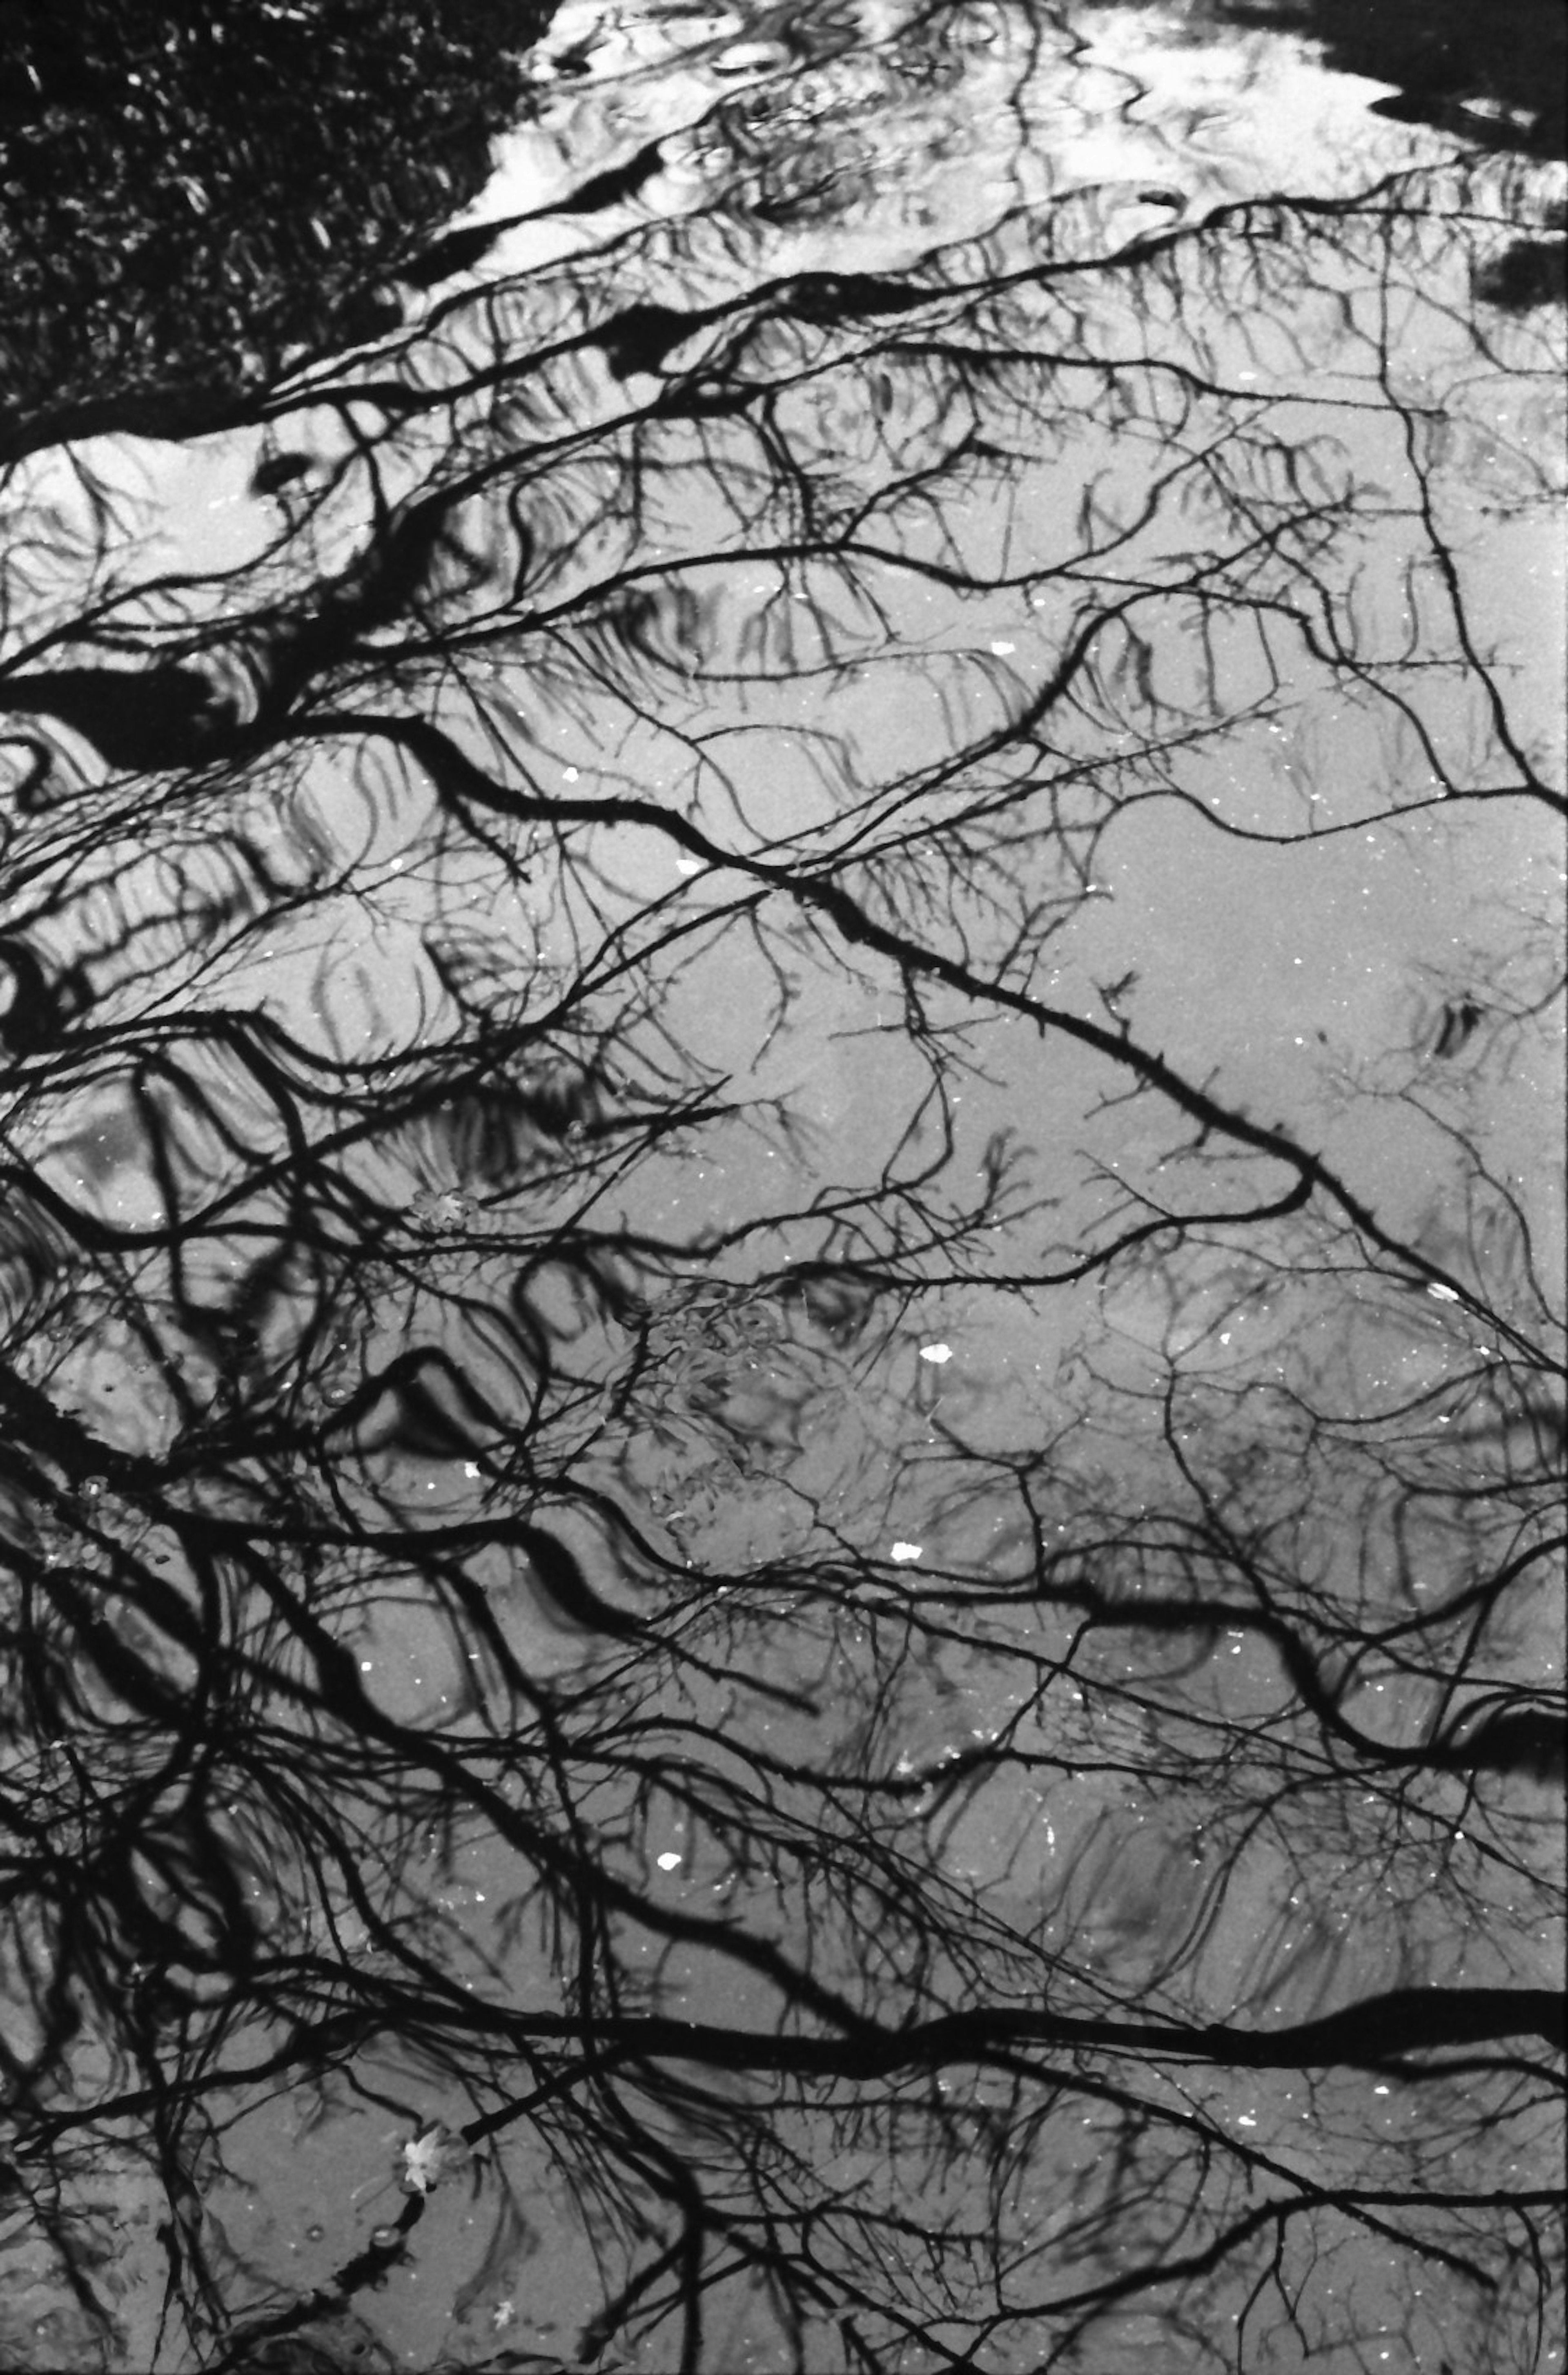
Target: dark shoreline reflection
193, 196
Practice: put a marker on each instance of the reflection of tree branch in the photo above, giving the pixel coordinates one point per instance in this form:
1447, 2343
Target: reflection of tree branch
461, 782
622, 1517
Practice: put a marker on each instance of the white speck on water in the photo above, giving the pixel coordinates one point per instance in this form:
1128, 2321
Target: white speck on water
669, 1861
936, 1353
904, 1552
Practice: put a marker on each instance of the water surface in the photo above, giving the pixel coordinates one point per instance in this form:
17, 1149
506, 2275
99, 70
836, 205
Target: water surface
783, 1244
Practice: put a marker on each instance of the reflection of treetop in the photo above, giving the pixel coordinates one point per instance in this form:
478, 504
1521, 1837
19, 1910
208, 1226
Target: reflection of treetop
782, 1377
188, 194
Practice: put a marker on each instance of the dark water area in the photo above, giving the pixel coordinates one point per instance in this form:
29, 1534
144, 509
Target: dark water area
782, 1241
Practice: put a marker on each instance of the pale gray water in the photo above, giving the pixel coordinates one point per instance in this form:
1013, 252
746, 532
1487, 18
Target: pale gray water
786, 1242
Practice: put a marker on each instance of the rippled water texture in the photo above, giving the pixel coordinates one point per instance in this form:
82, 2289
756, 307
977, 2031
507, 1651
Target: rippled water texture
782, 1253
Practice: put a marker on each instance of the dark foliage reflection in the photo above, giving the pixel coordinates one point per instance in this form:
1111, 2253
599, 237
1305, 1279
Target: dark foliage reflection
191, 195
